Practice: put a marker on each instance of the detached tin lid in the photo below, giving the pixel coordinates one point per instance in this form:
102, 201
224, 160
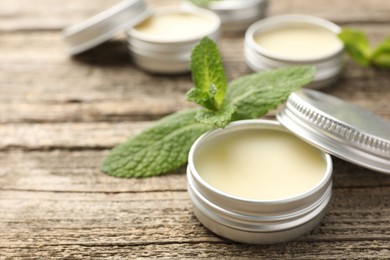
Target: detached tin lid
105, 25
339, 128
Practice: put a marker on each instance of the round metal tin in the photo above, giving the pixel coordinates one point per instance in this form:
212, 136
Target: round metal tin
104, 26
236, 15
160, 56
256, 221
329, 67
339, 128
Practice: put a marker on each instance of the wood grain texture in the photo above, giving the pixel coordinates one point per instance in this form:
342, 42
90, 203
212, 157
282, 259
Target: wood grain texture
67, 220
55, 14
205, 250
40, 83
59, 117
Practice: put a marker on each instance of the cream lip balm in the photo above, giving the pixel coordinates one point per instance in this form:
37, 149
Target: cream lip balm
163, 42
286, 40
174, 26
299, 41
261, 164
255, 182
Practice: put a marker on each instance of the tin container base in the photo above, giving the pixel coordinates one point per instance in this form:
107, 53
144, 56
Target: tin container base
317, 83
236, 16
329, 65
258, 238
255, 221
170, 55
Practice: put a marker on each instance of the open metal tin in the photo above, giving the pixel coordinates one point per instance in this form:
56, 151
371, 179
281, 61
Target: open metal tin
170, 56
328, 123
236, 15
152, 54
329, 66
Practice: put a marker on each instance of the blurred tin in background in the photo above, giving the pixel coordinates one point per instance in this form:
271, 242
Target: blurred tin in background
153, 53
236, 15
302, 50
169, 51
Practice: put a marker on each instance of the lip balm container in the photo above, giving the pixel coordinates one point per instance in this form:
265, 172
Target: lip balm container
160, 41
236, 15
264, 181
296, 40
104, 26
163, 42
250, 220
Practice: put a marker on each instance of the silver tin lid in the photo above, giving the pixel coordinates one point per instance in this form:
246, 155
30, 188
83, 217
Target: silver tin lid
230, 10
236, 15
339, 128
105, 25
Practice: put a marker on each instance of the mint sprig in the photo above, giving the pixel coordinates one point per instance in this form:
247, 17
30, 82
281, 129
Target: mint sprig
164, 147
358, 47
209, 79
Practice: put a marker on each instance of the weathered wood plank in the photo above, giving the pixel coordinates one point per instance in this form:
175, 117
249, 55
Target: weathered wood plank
105, 111
206, 250
55, 14
21, 15
78, 171
67, 135
163, 217
74, 171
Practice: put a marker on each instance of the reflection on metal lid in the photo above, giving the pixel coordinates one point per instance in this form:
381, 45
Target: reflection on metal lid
340, 128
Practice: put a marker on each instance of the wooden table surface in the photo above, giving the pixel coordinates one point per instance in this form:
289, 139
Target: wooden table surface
59, 117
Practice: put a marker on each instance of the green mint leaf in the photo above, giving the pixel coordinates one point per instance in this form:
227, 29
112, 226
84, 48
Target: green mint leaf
218, 119
162, 148
208, 75
381, 55
356, 45
256, 94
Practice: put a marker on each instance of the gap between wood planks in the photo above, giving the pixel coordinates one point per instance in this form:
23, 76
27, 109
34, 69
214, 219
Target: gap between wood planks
224, 242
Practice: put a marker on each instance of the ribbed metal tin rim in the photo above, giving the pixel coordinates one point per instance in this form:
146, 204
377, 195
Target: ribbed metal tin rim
104, 26
258, 225
253, 123
335, 136
236, 14
259, 217
253, 61
280, 20
215, 25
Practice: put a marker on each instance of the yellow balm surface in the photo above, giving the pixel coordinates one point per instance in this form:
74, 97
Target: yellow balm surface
174, 26
260, 164
299, 41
